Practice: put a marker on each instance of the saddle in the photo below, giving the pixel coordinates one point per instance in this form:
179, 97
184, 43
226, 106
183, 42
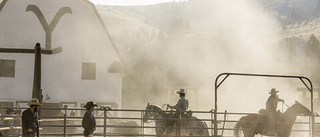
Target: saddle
185, 119
263, 121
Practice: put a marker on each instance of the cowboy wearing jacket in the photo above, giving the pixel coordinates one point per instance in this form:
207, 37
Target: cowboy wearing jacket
89, 121
271, 108
30, 117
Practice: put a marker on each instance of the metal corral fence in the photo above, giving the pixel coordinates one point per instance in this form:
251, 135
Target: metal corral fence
122, 122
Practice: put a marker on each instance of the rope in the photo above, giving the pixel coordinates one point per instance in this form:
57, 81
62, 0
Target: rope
282, 106
285, 104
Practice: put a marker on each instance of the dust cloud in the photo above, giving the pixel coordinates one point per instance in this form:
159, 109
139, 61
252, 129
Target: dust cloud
224, 36
191, 48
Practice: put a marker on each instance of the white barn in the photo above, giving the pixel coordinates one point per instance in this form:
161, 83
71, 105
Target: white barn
89, 66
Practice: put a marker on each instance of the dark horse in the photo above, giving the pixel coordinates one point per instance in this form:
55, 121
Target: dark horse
196, 126
252, 124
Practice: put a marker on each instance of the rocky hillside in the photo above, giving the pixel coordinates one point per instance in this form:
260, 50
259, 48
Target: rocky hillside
298, 18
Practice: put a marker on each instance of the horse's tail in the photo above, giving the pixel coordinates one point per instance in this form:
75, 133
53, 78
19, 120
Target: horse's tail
236, 128
206, 127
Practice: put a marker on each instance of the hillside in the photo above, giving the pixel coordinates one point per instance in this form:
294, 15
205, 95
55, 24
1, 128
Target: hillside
298, 18
119, 20
159, 15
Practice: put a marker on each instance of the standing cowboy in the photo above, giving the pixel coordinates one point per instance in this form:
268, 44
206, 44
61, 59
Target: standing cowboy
182, 105
30, 117
271, 108
89, 121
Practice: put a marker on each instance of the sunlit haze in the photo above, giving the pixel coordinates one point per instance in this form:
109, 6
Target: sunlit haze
134, 56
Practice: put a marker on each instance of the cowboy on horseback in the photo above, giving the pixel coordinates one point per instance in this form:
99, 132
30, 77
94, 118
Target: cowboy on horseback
196, 126
271, 109
181, 106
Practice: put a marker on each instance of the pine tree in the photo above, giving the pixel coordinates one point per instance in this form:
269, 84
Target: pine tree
178, 26
144, 78
312, 48
290, 47
161, 35
312, 62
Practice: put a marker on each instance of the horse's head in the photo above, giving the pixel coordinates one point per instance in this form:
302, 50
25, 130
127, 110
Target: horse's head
300, 109
148, 113
151, 112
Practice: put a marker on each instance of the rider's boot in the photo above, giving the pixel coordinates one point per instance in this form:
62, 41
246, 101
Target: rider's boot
271, 129
272, 124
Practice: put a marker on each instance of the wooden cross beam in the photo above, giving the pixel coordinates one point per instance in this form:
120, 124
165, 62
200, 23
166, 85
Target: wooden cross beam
37, 92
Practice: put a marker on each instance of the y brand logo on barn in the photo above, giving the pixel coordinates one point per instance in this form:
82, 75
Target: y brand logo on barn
2, 4
49, 28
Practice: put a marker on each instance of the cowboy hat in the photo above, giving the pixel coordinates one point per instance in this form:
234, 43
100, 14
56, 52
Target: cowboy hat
273, 91
90, 103
34, 101
181, 91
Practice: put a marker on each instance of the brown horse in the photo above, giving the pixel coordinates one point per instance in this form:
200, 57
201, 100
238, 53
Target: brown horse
253, 124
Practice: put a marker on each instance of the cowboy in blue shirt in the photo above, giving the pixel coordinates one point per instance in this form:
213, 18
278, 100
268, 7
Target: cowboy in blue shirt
182, 105
183, 102
89, 121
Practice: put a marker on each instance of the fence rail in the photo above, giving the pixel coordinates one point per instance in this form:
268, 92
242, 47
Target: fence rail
130, 123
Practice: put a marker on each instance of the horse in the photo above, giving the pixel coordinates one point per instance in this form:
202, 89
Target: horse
252, 123
196, 127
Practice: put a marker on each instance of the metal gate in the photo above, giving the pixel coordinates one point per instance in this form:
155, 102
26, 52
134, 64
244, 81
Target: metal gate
217, 84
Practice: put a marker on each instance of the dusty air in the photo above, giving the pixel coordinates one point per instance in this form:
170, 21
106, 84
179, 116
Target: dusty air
204, 68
